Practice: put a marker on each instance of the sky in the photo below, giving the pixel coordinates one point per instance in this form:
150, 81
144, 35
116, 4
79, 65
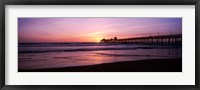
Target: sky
93, 29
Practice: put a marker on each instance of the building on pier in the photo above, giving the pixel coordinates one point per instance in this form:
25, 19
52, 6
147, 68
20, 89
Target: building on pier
175, 39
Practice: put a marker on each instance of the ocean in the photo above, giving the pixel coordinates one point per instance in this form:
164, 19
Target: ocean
57, 55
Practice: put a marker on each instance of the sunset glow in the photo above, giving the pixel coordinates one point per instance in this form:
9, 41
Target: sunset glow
92, 29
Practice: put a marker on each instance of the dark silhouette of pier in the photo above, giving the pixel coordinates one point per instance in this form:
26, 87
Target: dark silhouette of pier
175, 39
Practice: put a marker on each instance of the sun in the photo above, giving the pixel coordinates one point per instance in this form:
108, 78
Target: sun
98, 39
96, 36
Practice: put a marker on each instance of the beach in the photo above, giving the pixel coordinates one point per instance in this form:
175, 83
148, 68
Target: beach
98, 57
152, 65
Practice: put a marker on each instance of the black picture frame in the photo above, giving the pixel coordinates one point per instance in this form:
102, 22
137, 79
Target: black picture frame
3, 3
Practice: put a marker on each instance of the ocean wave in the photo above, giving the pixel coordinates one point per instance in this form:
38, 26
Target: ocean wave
122, 55
65, 44
91, 49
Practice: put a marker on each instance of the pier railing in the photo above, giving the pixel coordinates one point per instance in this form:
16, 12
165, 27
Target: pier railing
175, 39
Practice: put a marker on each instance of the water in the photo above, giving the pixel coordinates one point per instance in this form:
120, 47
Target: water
55, 55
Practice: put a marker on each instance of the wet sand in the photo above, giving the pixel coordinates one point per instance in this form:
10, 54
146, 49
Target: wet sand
156, 65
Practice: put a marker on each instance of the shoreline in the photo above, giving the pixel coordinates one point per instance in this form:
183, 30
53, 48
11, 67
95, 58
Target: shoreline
153, 65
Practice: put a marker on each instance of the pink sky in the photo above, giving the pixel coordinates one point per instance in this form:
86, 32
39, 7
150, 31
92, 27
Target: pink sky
92, 29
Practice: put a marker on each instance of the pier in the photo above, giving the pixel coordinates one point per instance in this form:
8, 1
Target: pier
175, 39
